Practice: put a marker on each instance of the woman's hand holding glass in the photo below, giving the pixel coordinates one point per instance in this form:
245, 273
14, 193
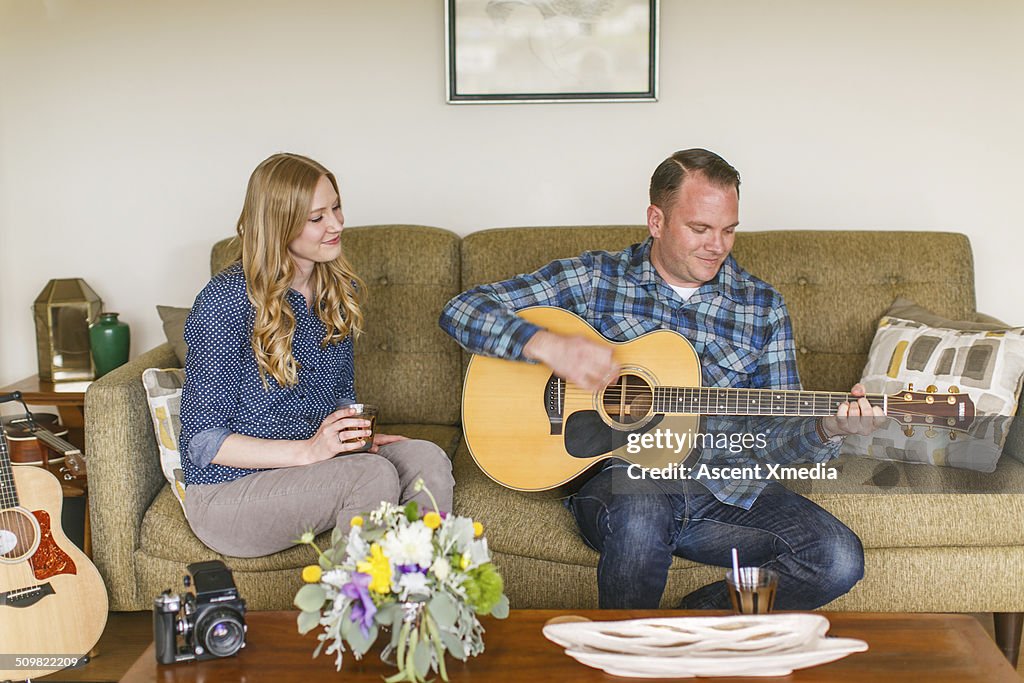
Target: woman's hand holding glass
339, 433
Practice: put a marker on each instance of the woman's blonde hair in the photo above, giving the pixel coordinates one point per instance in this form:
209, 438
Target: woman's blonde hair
275, 212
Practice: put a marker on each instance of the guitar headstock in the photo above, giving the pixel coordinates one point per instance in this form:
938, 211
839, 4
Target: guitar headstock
953, 411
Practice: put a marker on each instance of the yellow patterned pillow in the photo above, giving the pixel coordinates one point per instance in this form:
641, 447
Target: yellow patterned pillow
984, 361
163, 392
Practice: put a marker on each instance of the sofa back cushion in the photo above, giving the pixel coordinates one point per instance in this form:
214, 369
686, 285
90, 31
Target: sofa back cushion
404, 362
837, 284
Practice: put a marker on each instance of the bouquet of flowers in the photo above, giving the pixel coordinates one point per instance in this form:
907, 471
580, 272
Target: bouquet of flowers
424, 577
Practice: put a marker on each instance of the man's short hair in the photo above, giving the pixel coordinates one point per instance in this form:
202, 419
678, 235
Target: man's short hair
671, 173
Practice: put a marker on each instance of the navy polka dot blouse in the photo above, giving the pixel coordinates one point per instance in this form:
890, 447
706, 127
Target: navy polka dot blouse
223, 392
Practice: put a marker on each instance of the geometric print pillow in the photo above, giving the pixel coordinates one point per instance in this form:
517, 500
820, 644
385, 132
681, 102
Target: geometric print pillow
163, 393
986, 364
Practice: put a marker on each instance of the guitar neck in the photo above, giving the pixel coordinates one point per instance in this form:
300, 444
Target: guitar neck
8, 494
727, 401
56, 443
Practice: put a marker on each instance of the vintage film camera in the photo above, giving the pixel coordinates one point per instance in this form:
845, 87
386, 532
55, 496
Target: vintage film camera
209, 622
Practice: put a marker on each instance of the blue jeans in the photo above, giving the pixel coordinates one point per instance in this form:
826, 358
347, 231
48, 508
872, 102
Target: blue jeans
638, 525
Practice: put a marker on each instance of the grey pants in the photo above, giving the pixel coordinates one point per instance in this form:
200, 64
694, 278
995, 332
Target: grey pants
265, 512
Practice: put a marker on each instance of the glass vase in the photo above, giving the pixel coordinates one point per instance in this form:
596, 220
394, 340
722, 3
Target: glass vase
110, 340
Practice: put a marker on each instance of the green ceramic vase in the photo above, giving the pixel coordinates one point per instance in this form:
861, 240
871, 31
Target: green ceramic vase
110, 340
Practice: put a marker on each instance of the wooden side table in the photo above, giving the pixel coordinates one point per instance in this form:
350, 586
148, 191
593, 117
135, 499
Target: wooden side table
69, 399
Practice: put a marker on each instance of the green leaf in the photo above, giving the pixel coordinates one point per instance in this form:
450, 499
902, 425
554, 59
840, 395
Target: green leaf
310, 598
410, 663
500, 609
386, 614
443, 609
372, 535
453, 645
337, 534
412, 511
358, 642
308, 621
421, 659
403, 635
345, 626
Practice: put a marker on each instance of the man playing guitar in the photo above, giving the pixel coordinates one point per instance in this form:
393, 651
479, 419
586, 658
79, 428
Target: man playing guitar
683, 278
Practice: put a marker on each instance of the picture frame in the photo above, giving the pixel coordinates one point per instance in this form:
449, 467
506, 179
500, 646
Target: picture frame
516, 51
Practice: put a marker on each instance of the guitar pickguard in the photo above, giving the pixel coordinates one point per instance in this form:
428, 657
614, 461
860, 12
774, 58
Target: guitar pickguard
49, 560
587, 435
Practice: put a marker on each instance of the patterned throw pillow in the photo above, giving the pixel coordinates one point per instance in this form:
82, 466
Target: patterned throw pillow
163, 392
983, 360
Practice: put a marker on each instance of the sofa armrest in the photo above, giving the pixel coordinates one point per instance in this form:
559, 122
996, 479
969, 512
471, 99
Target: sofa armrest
1014, 445
124, 470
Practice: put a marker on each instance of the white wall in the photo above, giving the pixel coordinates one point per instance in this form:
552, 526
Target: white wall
128, 129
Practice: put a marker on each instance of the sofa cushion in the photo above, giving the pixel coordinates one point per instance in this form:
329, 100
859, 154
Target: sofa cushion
173, 320
984, 360
404, 362
166, 534
163, 393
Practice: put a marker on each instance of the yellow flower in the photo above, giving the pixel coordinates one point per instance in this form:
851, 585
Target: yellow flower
478, 529
357, 521
311, 573
464, 562
432, 520
379, 568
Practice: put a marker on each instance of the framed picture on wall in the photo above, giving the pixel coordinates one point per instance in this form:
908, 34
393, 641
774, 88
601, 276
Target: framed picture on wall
551, 50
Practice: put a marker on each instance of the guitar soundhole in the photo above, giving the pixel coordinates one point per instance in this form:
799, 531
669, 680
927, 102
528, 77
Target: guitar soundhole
19, 535
628, 401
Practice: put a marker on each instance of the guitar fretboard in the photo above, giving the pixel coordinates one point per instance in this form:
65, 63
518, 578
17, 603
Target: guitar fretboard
8, 494
725, 401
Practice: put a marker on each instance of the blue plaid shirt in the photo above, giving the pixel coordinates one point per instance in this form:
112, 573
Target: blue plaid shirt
737, 324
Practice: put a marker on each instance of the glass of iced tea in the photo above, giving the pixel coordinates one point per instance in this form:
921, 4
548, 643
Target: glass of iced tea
753, 591
366, 412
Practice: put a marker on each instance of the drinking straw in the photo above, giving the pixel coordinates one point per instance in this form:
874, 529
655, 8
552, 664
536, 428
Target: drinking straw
736, 567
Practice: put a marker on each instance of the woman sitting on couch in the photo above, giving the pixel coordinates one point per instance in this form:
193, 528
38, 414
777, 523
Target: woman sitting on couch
269, 364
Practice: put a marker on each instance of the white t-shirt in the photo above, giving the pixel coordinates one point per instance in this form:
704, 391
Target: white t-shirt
684, 292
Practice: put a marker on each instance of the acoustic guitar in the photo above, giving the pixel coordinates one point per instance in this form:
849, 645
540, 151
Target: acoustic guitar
31, 441
531, 431
53, 604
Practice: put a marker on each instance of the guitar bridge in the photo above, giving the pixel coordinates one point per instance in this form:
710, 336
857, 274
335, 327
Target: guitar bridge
554, 403
25, 597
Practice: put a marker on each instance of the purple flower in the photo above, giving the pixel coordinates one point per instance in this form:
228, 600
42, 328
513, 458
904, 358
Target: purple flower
411, 568
363, 608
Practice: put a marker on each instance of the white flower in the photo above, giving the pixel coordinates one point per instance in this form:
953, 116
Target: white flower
411, 544
335, 577
357, 548
441, 568
413, 583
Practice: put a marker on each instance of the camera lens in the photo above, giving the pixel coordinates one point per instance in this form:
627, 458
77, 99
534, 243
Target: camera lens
221, 632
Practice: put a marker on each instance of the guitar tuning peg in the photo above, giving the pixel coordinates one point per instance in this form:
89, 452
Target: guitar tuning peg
932, 389
952, 435
929, 433
909, 431
954, 390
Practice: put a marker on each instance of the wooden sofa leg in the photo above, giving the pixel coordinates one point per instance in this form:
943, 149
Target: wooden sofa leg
1007, 628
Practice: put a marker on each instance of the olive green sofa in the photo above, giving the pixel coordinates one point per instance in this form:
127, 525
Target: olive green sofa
941, 551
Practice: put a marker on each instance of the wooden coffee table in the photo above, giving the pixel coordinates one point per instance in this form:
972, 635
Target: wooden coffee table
902, 647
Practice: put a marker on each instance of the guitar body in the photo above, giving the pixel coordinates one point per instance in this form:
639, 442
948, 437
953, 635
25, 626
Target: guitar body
509, 430
52, 599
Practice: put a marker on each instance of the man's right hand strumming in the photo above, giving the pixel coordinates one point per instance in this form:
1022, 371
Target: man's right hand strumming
581, 361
